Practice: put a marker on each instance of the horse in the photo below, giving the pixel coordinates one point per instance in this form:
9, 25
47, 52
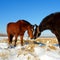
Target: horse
18, 29
50, 22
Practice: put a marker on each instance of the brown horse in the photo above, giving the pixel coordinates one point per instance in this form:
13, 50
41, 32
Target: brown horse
18, 29
51, 22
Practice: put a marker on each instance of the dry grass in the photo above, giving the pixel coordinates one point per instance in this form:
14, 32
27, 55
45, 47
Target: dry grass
44, 40
30, 43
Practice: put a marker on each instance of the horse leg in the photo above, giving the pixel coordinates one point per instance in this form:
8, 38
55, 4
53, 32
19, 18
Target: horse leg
10, 38
58, 37
58, 41
21, 40
15, 40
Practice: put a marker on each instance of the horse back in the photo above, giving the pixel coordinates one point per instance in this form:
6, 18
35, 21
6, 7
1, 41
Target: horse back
52, 20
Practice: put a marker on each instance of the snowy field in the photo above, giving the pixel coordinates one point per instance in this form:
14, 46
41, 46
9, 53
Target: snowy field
32, 50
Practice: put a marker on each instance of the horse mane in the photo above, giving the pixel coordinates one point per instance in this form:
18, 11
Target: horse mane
24, 21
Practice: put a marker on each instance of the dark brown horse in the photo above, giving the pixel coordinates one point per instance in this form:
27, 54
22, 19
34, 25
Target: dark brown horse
18, 29
51, 22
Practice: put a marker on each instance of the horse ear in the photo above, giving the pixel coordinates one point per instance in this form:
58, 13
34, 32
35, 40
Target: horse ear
35, 24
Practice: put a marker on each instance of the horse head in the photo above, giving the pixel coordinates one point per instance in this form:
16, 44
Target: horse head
36, 31
30, 31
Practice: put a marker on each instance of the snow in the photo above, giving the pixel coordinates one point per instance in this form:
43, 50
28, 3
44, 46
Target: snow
39, 51
50, 56
20, 53
38, 54
3, 45
2, 38
47, 55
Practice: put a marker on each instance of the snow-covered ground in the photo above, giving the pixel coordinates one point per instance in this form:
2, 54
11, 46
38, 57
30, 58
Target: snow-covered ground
28, 52
2, 38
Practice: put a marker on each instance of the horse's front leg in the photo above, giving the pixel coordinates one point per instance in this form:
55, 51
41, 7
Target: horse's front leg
58, 41
21, 37
58, 38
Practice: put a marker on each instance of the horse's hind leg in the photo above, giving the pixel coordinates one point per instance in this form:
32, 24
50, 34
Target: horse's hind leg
10, 38
15, 40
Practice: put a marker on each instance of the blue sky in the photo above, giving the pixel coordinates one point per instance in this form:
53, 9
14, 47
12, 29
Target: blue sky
31, 10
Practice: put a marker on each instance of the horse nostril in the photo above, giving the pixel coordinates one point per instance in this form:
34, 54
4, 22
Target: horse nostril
32, 38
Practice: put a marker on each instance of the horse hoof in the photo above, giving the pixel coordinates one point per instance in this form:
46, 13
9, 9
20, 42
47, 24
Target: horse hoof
14, 45
11, 47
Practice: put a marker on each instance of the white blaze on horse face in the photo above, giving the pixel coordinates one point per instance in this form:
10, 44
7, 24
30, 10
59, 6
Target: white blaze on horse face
34, 29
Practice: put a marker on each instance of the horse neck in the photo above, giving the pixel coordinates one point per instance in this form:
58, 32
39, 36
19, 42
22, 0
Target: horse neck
43, 27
